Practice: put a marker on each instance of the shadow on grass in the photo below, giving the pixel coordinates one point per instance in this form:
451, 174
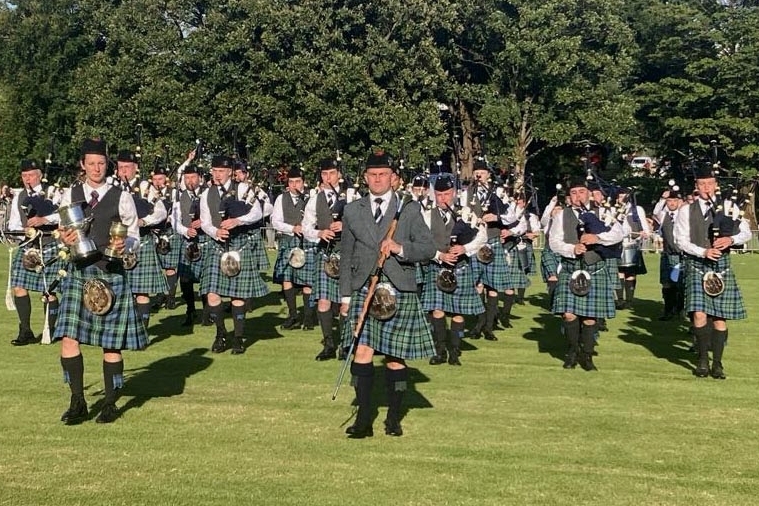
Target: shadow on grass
547, 335
664, 339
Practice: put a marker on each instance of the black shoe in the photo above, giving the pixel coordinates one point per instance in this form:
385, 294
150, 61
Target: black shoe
109, 414
219, 344
237, 347
453, 357
587, 362
292, 322
520, 302
666, 317
602, 327
189, 319
570, 362
702, 369
308, 326
159, 302
327, 353
436, 360
619, 305
24, 338
717, 372
505, 322
206, 321
171, 303
77, 412
475, 333
357, 431
393, 428
489, 336
342, 353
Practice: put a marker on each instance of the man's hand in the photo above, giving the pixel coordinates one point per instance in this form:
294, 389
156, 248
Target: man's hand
588, 239
37, 221
344, 309
222, 234
68, 236
326, 234
230, 223
195, 224
336, 226
722, 243
505, 233
580, 249
489, 217
389, 247
448, 258
713, 254
191, 232
298, 230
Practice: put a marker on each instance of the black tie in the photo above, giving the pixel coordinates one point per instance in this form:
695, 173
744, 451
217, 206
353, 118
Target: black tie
330, 199
94, 199
671, 216
708, 211
378, 210
444, 215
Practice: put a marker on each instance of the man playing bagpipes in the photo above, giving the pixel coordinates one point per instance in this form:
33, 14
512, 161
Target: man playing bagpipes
169, 243
584, 293
671, 273
229, 269
636, 229
449, 287
705, 230
382, 239
97, 307
35, 263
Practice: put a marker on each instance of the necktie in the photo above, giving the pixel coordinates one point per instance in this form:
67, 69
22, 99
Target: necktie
671, 216
330, 199
708, 211
378, 210
94, 199
444, 215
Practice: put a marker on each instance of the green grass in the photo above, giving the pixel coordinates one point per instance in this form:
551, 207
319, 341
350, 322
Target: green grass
509, 427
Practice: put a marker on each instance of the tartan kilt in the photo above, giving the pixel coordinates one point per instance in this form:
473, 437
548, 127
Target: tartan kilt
324, 286
666, 263
192, 270
495, 274
303, 276
171, 259
463, 300
420, 272
549, 263
119, 329
598, 303
612, 267
248, 283
147, 277
515, 276
728, 305
33, 281
261, 259
530, 269
406, 335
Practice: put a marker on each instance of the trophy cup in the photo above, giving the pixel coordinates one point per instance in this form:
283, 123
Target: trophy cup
118, 231
73, 218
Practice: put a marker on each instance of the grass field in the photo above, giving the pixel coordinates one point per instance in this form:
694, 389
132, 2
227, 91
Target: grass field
509, 427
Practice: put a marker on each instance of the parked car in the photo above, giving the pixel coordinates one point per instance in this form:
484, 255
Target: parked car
642, 162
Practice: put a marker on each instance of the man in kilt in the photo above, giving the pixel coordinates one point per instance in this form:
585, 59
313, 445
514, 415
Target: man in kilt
457, 243
579, 237
513, 228
322, 224
636, 228
30, 209
169, 243
404, 335
226, 219
146, 278
607, 214
525, 248
120, 327
287, 219
549, 260
705, 235
671, 275
490, 277
186, 220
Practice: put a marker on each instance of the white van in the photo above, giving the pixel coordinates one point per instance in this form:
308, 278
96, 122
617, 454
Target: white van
642, 162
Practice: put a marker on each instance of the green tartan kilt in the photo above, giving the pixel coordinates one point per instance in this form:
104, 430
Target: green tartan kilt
247, 284
549, 263
119, 329
515, 275
34, 281
192, 270
406, 335
529, 255
147, 277
303, 276
612, 267
171, 259
598, 303
666, 263
259, 250
463, 300
325, 287
495, 274
728, 305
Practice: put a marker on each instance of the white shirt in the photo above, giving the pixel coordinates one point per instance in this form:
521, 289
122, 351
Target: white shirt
682, 230
127, 211
206, 224
278, 216
567, 249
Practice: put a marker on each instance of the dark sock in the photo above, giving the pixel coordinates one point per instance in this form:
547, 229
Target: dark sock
588, 333
457, 332
143, 312
629, 290
703, 337
520, 294
52, 314
396, 384
238, 317
718, 344
188, 295
491, 311
308, 310
438, 334
216, 314
552, 290
113, 379
172, 280
24, 309
363, 378
289, 294
508, 301
572, 333
620, 294
325, 322
73, 374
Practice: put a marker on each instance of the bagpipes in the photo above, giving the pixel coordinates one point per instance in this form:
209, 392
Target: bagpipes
462, 234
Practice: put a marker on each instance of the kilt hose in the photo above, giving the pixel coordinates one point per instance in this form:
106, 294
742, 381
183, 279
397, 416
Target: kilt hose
119, 329
406, 335
598, 303
527, 257
728, 305
612, 267
666, 263
147, 277
463, 300
324, 286
256, 242
283, 271
171, 259
188, 270
34, 281
549, 263
247, 284
494, 275
515, 275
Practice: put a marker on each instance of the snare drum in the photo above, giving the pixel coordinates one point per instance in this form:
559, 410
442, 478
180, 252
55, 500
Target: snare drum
630, 252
